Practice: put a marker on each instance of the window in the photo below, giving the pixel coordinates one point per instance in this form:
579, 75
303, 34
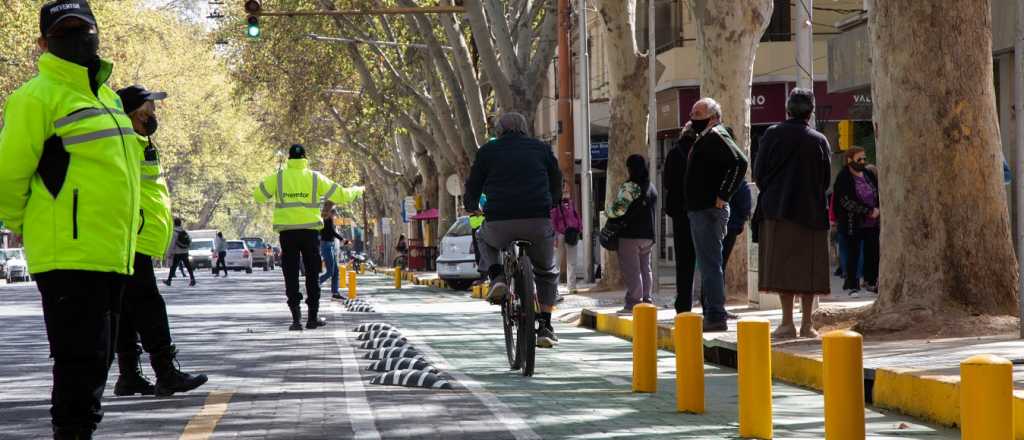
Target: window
235, 245
201, 245
668, 24
781, 26
460, 228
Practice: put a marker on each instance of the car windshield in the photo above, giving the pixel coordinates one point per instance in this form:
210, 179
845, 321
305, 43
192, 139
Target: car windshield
10, 254
460, 228
253, 244
200, 245
236, 245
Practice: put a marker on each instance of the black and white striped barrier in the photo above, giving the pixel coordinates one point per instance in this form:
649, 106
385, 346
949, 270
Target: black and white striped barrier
383, 343
352, 302
390, 334
393, 352
402, 364
373, 327
362, 308
412, 378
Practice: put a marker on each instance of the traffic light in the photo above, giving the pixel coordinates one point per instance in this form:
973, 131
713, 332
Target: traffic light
252, 29
845, 134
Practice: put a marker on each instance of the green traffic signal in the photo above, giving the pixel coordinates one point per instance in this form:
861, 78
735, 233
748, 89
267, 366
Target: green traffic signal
253, 29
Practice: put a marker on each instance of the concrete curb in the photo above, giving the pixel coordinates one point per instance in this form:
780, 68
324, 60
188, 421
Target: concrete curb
931, 398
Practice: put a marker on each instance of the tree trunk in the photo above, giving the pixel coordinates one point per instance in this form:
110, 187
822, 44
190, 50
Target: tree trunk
728, 34
946, 247
445, 202
629, 112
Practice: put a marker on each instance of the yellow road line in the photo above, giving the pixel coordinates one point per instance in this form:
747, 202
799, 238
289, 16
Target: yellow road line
202, 425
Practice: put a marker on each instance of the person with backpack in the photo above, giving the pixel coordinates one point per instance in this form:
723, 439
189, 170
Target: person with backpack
634, 207
566, 222
182, 243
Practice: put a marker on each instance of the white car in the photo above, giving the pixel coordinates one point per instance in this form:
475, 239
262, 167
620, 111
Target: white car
15, 266
199, 253
457, 263
238, 256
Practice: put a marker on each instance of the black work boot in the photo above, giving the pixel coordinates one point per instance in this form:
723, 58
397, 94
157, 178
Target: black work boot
130, 380
169, 379
296, 318
313, 321
72, 433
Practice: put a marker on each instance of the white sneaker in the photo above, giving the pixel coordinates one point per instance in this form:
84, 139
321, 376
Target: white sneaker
853, 293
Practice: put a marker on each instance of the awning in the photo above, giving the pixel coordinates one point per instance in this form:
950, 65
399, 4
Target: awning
430, 214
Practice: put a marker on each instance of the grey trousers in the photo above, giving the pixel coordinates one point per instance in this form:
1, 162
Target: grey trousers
495, 235
635, 263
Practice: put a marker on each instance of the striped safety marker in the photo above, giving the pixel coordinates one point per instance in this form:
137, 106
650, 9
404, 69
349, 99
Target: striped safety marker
381, 334
362, 308
392, 352
372, 327
417, 363
383, 343
412, 378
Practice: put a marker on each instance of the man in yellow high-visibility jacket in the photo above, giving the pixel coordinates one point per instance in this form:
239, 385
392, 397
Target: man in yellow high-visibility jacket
298, 194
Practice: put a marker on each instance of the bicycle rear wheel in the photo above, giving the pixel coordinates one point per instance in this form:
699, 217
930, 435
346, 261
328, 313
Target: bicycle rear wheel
526, 302
510, 321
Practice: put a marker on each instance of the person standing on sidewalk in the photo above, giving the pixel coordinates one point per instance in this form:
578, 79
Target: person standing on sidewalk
675, 207
857, 217
220, 247
327, 236
793, 171
635, 205
714, 171
143, 310
298, 193
566, 221
182, 242
69, 185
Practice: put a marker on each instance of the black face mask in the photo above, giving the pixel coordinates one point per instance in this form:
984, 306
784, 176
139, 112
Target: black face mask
699, 125
78, 46
859, 166
150, 125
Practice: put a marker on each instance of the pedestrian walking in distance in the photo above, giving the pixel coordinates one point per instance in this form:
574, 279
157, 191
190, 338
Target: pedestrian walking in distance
180, 245
674, 179
143, 310
792, 172
327, 236
566, 221
298, 194
635, 206
714, 172
70, 187
858, 220
220, 247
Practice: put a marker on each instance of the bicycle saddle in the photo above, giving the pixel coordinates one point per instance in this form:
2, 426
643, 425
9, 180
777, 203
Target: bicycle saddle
522, 243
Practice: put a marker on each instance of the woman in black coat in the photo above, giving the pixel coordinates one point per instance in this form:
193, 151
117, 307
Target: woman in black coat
858, 219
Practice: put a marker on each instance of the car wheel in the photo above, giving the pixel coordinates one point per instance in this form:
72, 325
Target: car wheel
248, 270
459, 284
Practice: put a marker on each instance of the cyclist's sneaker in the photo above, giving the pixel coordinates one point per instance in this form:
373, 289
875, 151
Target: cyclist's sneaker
498, 291
546, 338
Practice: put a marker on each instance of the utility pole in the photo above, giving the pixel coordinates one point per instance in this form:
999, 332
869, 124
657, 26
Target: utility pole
652, 139
586, 208
805, 47
566, 152
1018, 178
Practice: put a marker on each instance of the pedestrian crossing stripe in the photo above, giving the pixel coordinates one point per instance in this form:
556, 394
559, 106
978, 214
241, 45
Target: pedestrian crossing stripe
362, 309
391, 334
392, 352
413, 363
412, 378
373, 327
383, 343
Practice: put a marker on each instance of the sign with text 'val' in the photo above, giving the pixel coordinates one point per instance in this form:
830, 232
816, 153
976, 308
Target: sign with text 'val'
408, 208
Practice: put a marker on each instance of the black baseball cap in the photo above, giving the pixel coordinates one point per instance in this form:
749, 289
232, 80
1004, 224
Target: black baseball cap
134, 96
56, 11
297, 151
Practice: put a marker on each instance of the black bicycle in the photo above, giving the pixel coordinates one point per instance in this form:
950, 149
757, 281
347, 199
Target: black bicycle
519, 309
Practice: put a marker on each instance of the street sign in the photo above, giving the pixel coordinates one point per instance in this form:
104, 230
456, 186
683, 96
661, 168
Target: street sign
385, 225
454, 185
599, 151
408, 209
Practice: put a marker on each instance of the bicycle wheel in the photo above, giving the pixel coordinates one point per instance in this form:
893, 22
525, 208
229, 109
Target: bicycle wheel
510, 321
526, 303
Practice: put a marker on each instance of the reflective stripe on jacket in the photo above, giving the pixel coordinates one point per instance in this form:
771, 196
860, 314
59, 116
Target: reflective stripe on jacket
298, 194
69, 171
157, 222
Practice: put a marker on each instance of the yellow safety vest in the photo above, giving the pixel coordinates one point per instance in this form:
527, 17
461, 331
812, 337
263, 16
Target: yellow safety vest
298, 194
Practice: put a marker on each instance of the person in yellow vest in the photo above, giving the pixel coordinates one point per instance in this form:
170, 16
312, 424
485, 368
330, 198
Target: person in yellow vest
298, 194
69, 184
143, 311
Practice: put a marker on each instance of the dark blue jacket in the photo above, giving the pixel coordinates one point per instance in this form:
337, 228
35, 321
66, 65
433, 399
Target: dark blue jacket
520, 176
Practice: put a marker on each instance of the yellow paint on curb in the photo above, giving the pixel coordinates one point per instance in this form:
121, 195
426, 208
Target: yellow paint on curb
202, 425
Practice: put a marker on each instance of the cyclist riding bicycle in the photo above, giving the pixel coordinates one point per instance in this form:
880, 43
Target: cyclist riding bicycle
521, 178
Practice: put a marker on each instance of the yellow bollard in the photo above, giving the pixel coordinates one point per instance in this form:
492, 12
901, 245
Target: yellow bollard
986, 398
645, 348
755, 378
351, 285
844, 385
689, 342
398, 278
342, 276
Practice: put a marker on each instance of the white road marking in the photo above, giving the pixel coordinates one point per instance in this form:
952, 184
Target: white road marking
617, 381
357, 406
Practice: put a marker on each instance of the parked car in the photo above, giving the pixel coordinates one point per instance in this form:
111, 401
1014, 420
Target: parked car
15, 267
457, 263
262, 255
238, 256
200, 252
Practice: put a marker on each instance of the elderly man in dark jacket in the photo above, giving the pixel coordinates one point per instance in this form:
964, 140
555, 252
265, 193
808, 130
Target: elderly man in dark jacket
714, 171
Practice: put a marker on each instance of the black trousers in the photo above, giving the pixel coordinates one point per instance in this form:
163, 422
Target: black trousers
221, 264
143, 311
80, 309
869, 237
686, 260
304, 244
181, 259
